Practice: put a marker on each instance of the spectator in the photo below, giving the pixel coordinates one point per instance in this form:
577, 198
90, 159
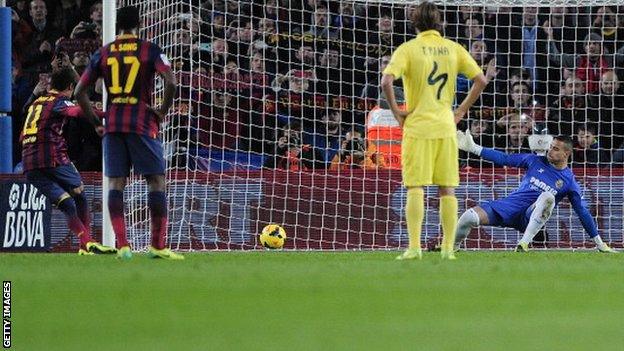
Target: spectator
320, 27
383, 39
218, 51
326, 138
589, 67
607, 108
351, 26
356, 153
21, 89
564, 28
473, 30
487, 62
303, 59
515, 137
219, 121
297, 104
522, 102
39, 47
605, 24
328, 73
261, 79
483, 134
528, 42
86, 30
456, 25
80, 60
372, 89
587, 151
570, 110
290, 154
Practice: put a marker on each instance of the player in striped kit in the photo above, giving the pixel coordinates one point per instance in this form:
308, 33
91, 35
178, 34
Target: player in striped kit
128, 66
45, 160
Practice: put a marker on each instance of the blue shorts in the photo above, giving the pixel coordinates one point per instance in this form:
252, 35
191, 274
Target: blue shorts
125, 150
55, 182
518, 221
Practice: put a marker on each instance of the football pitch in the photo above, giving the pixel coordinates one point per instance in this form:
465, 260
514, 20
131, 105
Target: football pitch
317, 301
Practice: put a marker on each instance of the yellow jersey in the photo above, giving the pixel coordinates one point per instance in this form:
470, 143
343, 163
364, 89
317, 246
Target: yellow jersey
429, 65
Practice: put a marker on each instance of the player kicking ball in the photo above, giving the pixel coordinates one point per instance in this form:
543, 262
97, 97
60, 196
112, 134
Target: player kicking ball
47, 165
547, 181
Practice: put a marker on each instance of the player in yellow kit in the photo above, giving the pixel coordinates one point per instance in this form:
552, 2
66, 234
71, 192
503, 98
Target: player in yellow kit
429, 65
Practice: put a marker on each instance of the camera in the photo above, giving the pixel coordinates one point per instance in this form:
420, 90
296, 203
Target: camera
355, 144
89, 26
293, 141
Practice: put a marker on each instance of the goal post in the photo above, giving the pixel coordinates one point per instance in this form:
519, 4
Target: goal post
279, 118
109, 19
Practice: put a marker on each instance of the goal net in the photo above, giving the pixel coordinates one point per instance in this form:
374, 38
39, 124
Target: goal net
279, 118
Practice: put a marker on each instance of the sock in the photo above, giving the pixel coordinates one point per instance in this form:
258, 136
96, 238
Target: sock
68, 207
116, 211
414, 215
157, 203
448, 219
467, 221
542, 211
598, 241
82, 209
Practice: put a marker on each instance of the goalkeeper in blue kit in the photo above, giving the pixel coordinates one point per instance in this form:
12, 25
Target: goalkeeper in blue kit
546, 182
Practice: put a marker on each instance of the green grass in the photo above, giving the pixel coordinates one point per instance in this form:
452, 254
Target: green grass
317, 301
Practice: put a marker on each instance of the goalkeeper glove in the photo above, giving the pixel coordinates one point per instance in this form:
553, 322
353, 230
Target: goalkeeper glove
466, 143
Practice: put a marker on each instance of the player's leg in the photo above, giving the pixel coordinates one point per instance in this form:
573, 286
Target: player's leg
157, 204
448, 220
472, 218
446, 175
69, 179
117, 169
414, 215
82, 210
417, 169
148, 160
44, 180
542, 209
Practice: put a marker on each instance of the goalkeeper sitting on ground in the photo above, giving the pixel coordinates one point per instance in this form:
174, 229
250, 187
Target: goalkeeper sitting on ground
547, 181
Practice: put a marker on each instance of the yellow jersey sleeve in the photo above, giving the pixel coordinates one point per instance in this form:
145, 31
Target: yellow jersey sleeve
398, 63
466, 65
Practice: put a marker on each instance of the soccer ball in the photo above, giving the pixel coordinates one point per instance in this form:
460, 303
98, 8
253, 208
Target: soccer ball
273, 236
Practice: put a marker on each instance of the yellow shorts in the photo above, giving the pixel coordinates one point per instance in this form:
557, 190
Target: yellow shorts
430, 161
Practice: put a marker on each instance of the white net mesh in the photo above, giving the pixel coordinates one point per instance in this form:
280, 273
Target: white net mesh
279, 118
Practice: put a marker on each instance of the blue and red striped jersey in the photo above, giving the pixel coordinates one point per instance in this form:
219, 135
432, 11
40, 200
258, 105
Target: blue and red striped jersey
43, 144
128, 65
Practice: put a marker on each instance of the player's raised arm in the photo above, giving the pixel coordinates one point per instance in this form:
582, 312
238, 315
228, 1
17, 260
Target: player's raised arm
580, 207
466, 143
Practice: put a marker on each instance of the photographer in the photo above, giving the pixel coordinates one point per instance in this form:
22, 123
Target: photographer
356, 154
86, 30
291, 155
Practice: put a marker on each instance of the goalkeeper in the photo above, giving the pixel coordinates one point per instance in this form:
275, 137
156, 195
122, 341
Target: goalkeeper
547, 181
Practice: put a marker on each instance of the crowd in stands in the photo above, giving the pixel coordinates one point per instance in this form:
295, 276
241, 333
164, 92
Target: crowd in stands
294, 80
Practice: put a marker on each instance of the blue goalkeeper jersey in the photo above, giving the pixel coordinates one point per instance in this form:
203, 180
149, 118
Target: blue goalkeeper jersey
540, 176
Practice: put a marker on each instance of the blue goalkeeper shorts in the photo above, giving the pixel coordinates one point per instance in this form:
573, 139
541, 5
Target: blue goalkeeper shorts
518, 220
